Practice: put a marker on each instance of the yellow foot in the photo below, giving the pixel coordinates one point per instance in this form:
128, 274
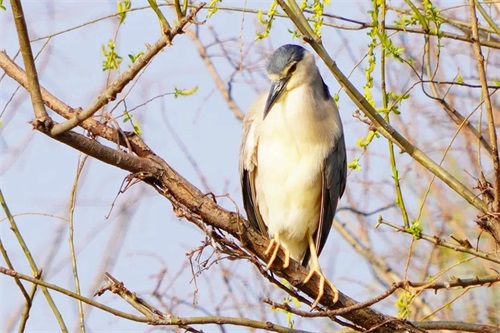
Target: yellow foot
274, 243
321, 288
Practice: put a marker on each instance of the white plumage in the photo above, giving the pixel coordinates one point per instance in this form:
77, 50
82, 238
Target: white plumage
292, 161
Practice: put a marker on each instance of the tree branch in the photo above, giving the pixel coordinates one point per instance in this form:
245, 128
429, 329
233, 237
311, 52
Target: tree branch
453, 283
34, 269
456, 326
441, 242
201, 209
159, 319
494, 224
215, 75
127, 140
198, 208
42, 119
380, 124
117, 86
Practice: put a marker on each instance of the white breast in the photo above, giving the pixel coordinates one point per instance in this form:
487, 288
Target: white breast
293, 142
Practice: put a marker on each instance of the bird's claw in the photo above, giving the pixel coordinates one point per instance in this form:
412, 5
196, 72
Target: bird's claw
276, 245
321, 288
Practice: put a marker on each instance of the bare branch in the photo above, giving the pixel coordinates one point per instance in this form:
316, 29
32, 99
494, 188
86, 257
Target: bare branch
198, 208
61, 108
456, 326
42, 120
159, 319
31, 261
117, 86
456, 282
441, 242
215, 75
494, 224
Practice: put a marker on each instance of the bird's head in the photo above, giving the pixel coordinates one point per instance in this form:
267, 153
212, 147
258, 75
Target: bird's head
288, 67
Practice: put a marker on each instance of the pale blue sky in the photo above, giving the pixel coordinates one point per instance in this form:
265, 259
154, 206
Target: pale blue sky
37, 176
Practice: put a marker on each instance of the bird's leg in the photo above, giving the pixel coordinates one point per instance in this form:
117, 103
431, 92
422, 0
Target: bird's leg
275, 243
315, 268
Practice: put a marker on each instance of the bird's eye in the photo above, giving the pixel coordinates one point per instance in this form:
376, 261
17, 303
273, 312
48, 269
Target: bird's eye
292, 69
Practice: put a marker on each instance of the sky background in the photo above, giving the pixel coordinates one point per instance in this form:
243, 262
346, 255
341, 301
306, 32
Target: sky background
142, 236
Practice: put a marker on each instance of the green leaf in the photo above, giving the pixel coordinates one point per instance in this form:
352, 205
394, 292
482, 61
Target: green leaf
185, 92
133, 57
364, 142
122, 8
213, 7
403, 304
137, 128
294, 33
128, 117
415, 229
354, 165
111, 59
267, 22
460, 79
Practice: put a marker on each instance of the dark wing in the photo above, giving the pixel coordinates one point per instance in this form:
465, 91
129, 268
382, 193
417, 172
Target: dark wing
333, 185
251, 207
248, 165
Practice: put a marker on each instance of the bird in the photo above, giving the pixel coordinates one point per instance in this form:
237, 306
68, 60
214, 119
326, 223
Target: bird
293, 161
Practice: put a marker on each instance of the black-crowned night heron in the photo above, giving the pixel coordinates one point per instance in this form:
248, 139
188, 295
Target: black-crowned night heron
293, 161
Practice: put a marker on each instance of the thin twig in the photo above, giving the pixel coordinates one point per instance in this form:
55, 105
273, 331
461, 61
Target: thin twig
215, 75
456, 326
117, 86
131, 298
26, 311
158, 321
6, 257
31, 261
452, 283
385, 104
360, 25
441, 242
489, 112
42, 120
72, 204
366, 214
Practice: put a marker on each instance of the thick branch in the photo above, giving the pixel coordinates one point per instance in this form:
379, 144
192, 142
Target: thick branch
198, 207
64, 110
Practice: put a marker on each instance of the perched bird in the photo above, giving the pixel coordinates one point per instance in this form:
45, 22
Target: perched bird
293, 161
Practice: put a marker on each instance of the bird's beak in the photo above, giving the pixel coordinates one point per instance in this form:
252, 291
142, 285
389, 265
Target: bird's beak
277, 87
